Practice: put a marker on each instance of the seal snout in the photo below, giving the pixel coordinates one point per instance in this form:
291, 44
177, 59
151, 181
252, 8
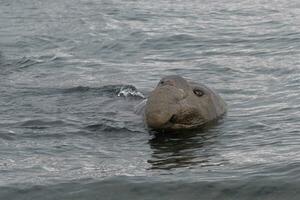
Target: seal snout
161, 106
158, 120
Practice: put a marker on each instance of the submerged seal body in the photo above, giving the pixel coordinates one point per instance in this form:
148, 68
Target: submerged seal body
178, 104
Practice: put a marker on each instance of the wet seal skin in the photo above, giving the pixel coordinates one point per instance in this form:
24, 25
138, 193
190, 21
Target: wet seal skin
177, 104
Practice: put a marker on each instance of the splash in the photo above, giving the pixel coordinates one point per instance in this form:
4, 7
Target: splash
129, 91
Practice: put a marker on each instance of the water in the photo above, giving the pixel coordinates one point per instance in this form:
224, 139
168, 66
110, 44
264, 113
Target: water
72, 73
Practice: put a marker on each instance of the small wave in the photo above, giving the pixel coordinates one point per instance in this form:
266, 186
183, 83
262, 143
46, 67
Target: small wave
105, 127
77, 89
25, 62
31, 60
1, 57
7, 134
127, 91
162, 43
11, 65
259, 186
56, 54
111, 128
41, 124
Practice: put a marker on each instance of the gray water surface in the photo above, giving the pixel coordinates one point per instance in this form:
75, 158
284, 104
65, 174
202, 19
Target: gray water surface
73, 71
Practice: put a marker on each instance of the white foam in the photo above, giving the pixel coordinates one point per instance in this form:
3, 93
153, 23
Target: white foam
125, 92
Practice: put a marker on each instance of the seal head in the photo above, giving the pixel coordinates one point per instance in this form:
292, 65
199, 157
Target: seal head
178, 104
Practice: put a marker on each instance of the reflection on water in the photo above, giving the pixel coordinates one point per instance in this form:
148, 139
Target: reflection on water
177, 150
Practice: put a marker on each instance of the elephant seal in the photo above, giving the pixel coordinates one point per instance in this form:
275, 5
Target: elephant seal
178, 104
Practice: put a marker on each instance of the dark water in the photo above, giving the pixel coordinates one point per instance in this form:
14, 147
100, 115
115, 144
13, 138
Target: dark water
73, 71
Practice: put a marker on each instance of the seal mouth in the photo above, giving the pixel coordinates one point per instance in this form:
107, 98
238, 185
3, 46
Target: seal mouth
168, 124
186, 120
172, 120
177, 123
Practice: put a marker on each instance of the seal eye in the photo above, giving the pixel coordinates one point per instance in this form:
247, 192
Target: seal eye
162, 82
198, 92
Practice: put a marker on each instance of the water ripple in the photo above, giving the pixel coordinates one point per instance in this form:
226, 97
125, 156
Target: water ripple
73, 72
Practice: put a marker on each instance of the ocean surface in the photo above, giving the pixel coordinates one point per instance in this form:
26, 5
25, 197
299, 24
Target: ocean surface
73, 71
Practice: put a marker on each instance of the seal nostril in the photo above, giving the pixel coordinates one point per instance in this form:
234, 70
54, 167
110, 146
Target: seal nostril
173, 119
167, 82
